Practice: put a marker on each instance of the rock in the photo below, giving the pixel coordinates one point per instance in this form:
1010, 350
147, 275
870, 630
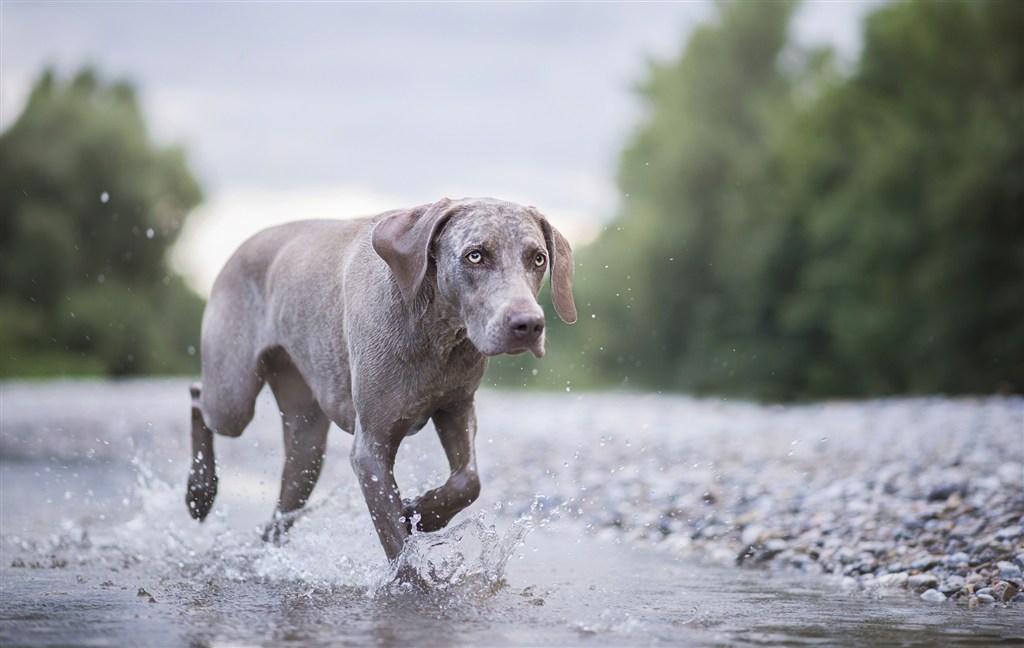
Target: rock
1009, 533
952, 584
973, 580
1004, 591
921, 582
933, 596
1020, 559
959, 558
1008, 570
944, 492
984, 598
899, 579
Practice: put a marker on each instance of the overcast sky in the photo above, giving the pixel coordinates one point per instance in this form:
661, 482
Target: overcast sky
298, 110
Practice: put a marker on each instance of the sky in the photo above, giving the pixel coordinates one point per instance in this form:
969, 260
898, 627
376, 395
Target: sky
333, 110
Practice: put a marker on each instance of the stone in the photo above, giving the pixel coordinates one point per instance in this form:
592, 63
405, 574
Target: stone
933, 596
952, 584
1008, 570
899, 579
1009, 533
922, 581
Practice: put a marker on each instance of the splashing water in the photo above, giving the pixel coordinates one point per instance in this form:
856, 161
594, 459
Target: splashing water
467, 559
332, 545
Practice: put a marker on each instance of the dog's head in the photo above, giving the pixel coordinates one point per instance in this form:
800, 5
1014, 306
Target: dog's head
486, 259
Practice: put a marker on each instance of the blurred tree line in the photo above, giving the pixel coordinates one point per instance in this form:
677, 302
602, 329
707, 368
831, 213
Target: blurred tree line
90, 206
792, 230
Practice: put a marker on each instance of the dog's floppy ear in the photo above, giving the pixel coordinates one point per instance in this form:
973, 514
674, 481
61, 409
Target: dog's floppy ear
562, 269
403, 240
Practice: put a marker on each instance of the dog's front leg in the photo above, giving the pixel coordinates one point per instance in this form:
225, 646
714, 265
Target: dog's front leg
456, 427
373, 460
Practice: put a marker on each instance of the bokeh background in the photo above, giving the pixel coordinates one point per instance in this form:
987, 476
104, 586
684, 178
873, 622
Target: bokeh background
771, 200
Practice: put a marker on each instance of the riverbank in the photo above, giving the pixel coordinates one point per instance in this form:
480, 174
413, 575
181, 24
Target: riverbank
914, 504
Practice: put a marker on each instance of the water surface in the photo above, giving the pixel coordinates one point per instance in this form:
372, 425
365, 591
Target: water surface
98, 549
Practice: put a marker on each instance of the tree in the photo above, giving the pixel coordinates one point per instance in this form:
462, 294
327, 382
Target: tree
911, 199
676, 282
90, 206
788, 231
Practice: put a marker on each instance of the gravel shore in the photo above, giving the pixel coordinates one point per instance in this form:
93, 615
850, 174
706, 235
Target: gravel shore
926, 495
923, 495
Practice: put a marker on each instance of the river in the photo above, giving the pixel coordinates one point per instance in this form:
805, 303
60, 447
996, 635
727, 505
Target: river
98, 548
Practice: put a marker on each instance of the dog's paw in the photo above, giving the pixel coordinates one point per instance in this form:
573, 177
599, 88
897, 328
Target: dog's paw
276, 531
202, 489
424, 521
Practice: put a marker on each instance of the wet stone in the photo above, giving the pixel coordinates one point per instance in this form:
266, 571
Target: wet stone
952, 584
1009, 533
1008, 570
922, 582
933, 596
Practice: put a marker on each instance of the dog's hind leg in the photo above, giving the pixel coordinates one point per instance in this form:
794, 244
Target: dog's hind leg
223, 404
202, 475
305, 428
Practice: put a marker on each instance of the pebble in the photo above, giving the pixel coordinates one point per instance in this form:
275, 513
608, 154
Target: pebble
899, 579
933, 596
922, 581
755, 486
1008, 570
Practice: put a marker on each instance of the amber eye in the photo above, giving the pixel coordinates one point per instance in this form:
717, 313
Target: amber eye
474, 256
540, 260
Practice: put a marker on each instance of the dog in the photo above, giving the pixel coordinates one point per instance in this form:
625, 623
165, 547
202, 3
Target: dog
378, 325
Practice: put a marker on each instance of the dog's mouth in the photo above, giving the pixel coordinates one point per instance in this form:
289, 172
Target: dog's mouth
509, 346
537, 350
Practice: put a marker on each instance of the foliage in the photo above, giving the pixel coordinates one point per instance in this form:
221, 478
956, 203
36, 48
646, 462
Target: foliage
787, 231
90, 207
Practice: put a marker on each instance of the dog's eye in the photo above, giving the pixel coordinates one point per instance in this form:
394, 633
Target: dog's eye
474, 256
540, 260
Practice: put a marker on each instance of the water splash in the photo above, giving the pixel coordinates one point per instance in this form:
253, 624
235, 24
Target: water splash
467, 559
331, 547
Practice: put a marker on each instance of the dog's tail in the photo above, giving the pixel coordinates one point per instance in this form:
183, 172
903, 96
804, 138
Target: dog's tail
202, 474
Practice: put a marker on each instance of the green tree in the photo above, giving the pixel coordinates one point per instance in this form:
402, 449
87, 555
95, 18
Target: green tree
910, 193
680, 283
89, 208
788, 231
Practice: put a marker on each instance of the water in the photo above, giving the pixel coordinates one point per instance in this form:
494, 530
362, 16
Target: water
98, 549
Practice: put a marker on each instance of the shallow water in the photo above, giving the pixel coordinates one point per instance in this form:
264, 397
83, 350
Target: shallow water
98, 549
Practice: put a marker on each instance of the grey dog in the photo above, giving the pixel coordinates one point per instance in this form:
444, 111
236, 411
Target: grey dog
378, 325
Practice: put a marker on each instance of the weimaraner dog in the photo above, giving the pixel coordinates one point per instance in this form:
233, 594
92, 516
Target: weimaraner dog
378, 325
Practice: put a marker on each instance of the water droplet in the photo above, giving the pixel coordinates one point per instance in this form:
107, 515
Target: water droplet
150, 233
104, 197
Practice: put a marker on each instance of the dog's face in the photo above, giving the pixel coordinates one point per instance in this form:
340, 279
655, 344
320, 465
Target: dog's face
490, 258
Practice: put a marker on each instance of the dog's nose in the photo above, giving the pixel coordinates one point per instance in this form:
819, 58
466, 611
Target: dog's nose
526, 326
